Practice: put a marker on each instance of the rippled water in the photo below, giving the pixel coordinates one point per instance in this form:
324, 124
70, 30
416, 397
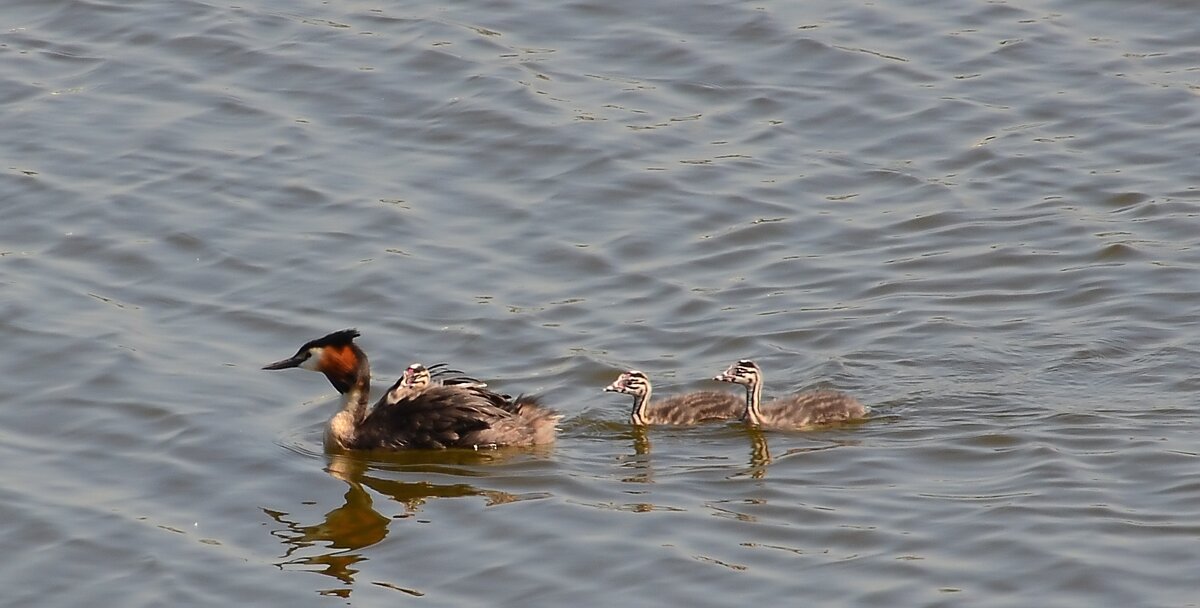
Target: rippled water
981, 218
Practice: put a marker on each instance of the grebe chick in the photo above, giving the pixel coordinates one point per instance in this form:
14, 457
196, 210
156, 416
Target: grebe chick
433, 417
417, 377
689, 408
799, 410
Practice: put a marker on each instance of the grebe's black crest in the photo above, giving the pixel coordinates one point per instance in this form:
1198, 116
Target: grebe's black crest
337, 338
335, 355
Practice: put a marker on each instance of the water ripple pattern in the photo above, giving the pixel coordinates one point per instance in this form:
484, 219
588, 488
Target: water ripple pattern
981, 218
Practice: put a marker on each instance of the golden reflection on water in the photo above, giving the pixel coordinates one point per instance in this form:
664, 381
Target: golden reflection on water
335, 545
641, 441
344, 531
639, 461
642, 464
760, 453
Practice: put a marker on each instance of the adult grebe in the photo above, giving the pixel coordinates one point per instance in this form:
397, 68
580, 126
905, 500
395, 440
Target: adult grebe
794, 411
438, 416
689, 408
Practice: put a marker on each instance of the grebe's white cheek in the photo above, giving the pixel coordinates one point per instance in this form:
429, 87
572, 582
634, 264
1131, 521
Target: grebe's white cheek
313, 361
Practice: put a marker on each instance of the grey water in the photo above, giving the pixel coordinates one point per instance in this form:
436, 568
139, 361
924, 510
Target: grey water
981, 218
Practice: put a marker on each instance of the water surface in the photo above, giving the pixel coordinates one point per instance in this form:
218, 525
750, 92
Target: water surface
981, 218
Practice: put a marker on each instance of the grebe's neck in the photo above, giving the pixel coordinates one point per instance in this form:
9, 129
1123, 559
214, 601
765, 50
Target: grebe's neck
354, 409
640, 401
753, 413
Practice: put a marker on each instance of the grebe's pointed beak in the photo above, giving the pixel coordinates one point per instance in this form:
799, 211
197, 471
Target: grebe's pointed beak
615, 387
286, 363
725, 376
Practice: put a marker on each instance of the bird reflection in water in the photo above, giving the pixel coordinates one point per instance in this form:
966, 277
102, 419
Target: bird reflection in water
336, 544
643, 470
639, 461
760, 453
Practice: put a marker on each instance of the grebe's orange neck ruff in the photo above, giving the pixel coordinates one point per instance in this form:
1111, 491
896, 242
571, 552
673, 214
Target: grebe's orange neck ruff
341, 364
348, 370
346, 367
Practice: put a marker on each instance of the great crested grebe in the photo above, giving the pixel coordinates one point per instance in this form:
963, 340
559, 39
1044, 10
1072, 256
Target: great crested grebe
431, 416
793, 411
689, 408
